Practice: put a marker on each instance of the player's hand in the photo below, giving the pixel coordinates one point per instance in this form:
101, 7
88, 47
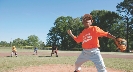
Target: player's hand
69, 32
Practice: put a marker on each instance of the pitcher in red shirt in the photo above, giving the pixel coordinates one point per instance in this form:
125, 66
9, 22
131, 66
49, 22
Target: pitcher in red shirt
90, 44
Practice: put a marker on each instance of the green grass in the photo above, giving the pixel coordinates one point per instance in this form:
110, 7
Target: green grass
9, 63
5, 49
119, 63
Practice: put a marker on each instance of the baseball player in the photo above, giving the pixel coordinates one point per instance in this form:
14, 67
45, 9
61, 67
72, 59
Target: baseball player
14, 51
54, 50
90, 44
35, 50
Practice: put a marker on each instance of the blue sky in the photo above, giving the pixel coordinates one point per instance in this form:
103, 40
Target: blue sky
22, 18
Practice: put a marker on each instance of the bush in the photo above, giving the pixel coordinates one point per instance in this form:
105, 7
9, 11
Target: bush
76, 49
27, 47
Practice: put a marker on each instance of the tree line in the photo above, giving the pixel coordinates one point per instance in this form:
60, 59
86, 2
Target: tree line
115, 23
31, 41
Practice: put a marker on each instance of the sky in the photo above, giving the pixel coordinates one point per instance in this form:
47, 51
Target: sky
22, 18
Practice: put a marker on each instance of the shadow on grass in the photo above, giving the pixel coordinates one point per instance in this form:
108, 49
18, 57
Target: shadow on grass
8, 56
44, 56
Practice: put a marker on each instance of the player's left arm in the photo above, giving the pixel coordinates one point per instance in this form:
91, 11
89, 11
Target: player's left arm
111, 36
101, 33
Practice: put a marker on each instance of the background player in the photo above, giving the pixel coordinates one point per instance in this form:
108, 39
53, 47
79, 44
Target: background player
54, 50
14, 51
35, 50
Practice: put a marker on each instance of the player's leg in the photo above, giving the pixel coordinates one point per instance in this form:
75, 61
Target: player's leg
12, 53
36, 52
52, 52
56, 53
16, 54
80, 60
97, 59
76, 71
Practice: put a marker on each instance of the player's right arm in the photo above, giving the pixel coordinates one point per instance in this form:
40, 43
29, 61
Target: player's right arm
78, 39
70, 33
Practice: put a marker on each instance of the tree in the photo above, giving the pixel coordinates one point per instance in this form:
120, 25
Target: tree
125, 9
58, 34
42, 45
17, 42
4, 43
33, 40
126, 6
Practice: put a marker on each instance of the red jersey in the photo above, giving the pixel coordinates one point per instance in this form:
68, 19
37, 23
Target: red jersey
89, 37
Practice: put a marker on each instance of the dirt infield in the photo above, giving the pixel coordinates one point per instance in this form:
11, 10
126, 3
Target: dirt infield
126, 56
60, 67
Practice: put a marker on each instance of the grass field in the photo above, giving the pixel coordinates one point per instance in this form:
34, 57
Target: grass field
9, 63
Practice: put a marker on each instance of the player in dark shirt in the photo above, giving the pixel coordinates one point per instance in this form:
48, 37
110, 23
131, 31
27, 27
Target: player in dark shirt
54, 50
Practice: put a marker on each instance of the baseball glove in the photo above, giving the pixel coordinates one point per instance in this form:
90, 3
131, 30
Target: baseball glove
121, 44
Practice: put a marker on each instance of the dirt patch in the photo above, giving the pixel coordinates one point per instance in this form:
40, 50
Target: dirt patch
58, 68
129, 56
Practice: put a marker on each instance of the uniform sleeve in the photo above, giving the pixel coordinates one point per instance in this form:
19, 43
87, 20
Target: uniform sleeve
100, 32
78, 39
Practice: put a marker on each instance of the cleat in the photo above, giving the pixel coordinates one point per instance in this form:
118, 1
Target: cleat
56, 55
